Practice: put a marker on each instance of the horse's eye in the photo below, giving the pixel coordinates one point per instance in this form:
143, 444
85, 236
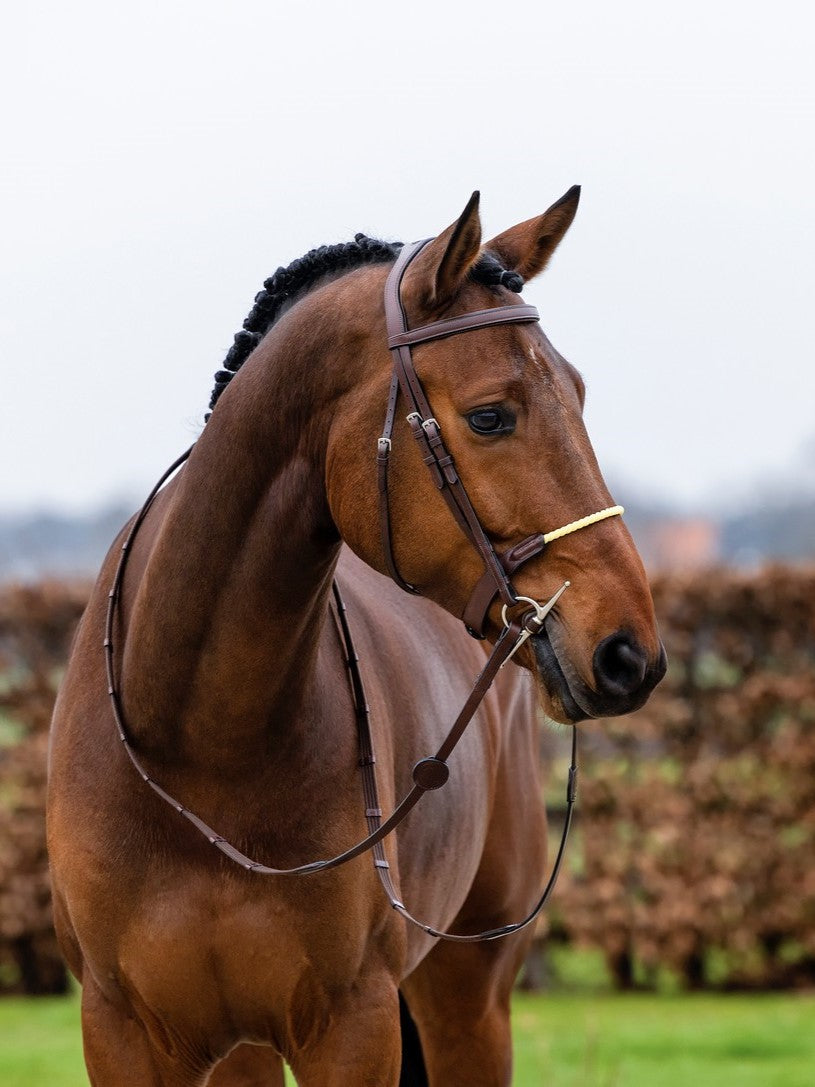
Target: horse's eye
491, 421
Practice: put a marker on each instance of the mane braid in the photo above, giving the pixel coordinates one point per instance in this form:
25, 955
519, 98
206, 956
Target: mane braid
302, 274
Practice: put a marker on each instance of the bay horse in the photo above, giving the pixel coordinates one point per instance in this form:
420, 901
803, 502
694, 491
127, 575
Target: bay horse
224, 680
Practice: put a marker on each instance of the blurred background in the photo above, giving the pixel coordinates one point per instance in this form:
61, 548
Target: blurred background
161, 161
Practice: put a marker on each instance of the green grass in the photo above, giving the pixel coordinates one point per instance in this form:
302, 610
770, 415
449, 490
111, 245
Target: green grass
666, 1041
40, 1043
574, 1040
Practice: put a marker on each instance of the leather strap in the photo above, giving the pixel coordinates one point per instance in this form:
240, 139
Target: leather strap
432, 773
383, 453
480, 318
426, 430
475, 614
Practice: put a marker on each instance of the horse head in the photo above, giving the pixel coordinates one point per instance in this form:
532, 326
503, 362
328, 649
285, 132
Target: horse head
510, 409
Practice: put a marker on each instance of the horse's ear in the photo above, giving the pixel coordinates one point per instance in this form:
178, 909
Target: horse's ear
436, 275
527, 247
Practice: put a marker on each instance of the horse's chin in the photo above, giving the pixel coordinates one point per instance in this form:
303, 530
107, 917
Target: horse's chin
558, 701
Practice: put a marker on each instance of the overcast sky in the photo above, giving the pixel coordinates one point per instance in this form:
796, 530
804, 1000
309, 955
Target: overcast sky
161, 159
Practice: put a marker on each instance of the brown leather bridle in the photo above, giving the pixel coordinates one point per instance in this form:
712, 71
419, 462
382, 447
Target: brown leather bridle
431, 772
497, 568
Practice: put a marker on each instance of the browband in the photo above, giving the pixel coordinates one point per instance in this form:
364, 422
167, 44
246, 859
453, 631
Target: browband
480, 318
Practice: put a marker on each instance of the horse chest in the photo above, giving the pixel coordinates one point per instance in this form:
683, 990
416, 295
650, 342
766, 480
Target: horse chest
246, 955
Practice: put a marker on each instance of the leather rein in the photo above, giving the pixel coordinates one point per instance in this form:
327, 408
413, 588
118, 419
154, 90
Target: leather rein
431, 772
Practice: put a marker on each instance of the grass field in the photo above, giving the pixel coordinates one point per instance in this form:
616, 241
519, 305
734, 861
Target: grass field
604, 1040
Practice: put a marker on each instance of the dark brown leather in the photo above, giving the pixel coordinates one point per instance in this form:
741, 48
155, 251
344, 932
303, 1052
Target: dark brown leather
431, 773
426, 429
383, 453
475, 614
481, 318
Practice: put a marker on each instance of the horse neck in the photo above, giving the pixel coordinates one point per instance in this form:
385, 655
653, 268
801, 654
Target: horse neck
227, 619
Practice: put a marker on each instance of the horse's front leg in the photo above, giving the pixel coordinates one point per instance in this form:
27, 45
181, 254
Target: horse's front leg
459, 997
358, 1043
120, 1053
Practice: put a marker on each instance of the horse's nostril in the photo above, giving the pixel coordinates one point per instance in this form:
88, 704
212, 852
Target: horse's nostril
620, 665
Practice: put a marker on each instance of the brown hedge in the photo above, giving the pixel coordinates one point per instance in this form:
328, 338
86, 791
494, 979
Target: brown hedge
695, 837
36, 625
696, 820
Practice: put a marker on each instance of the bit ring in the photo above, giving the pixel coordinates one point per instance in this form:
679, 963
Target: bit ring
540, 611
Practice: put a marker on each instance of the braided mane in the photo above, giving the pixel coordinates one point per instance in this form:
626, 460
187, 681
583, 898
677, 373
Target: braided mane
288, 284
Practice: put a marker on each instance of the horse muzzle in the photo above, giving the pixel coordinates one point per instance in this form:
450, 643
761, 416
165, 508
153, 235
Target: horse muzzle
623, 676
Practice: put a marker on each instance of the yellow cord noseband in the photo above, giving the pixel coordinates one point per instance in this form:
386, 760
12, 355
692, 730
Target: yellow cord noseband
584, 522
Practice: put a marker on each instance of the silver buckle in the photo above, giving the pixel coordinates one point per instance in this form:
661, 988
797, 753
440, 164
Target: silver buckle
383, 445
